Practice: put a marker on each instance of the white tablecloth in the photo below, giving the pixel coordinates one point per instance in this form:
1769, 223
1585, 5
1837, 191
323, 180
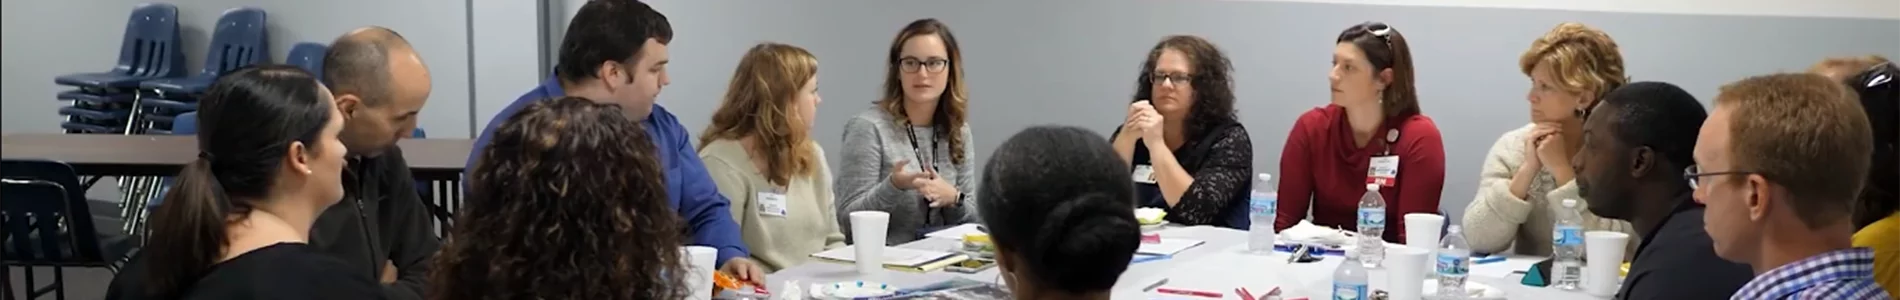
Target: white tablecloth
1218, 266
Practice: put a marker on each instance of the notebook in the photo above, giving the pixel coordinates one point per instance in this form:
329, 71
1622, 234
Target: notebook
902, 259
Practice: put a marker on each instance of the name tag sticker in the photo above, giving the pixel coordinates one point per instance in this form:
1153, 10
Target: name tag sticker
772, 204
1144, 174
1384, 170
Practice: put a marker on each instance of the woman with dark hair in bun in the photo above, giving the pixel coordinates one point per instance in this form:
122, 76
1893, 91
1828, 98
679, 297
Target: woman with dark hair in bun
1060, 208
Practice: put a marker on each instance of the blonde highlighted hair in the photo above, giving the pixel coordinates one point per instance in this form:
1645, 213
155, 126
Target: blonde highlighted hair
1581, 59
758, 104
1839, 68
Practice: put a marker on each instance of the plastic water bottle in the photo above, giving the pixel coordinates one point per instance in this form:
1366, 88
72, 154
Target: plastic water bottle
1453, 264
1349, 280
1264, 205
1371, 227
1567, 238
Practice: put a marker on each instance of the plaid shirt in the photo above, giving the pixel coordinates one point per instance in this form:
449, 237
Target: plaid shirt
1838, 274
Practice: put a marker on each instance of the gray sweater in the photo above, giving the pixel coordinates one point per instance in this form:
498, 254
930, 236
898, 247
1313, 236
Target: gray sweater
873, 142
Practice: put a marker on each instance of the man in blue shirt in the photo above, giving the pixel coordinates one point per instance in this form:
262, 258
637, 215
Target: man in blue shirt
615, 52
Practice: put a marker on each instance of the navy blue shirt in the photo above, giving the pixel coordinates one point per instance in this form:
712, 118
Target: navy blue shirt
688, 188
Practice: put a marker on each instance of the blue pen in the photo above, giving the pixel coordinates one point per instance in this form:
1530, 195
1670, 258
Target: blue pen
1148, 258
1316, 250
1487, 259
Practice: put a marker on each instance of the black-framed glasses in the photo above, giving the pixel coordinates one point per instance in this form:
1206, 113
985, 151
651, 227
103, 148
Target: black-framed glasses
1176, 79
1694, 175
912, 65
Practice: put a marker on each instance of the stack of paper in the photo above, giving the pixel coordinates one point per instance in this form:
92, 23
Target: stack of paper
902, 259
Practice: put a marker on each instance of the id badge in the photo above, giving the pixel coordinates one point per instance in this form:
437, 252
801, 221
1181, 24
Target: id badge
1384, 170
1144, 174
772, 204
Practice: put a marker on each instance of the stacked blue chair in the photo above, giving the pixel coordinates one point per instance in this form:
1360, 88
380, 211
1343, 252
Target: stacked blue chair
47, 223
103, 102
308, 56
240, 40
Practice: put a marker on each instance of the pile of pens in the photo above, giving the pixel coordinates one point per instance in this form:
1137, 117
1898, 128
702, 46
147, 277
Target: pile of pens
1242, 292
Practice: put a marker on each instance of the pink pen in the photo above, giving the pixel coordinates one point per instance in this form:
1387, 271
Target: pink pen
1188, 293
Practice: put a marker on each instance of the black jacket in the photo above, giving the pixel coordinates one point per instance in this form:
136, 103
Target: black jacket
1677, 261
380, 200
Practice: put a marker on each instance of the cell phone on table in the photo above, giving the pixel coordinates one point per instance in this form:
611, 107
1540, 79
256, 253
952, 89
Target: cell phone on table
971, 266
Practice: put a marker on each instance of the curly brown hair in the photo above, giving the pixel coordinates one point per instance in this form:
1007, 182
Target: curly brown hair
950, 107
1212, 81
1581, 58
759, 104
567, 202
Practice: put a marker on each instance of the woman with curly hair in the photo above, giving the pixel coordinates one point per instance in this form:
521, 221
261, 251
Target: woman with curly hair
1187, 151
909, 155
1527, 174
566, 202
1371, 133
760, 153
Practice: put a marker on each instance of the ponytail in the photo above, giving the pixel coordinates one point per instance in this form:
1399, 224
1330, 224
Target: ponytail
191, 224
1084, 243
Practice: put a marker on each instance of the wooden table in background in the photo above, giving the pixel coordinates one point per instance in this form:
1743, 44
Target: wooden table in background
436, 162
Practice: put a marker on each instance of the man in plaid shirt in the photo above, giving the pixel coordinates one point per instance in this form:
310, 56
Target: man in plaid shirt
1779, 164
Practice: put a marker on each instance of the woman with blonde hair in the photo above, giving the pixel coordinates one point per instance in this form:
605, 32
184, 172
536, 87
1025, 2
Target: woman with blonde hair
760, 153
909, 155
1527, 175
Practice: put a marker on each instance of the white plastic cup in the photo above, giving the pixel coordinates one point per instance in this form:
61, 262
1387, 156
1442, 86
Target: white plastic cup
1421, 230
1405, 272
867, 231
1604, 250
701, 260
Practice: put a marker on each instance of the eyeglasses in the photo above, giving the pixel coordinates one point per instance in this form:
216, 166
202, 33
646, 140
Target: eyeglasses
1177, 79
1694, 174
912, 65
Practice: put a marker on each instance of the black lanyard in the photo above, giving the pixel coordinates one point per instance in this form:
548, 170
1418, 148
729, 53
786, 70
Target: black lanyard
929, 161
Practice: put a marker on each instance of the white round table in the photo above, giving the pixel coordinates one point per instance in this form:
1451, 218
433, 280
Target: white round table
1217, 266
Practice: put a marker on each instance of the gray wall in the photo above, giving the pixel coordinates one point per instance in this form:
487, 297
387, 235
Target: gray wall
1062, 62
46, 39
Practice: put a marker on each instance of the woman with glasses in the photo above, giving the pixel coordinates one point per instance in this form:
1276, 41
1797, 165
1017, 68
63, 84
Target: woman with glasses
1527, 175
1187, 152
1372, 133
909, 154
760, 153
1877, 219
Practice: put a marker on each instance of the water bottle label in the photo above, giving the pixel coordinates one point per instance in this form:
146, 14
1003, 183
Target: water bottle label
1265, 205
1568, 235
1349, 291
1453, 265
1372, 218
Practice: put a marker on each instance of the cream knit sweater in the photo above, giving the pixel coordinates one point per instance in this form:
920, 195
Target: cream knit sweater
1495, 219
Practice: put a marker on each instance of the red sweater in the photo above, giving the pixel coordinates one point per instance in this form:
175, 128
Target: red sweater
1321, 168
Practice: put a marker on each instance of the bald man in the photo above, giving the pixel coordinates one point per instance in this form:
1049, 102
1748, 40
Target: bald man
381, 227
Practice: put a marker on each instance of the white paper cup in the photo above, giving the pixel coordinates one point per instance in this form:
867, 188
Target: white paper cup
1604, 252
1421, 230
867, 231
1405, 272
702, 261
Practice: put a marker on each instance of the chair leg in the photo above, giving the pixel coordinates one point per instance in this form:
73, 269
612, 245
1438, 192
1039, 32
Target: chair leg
32, 286
59, 283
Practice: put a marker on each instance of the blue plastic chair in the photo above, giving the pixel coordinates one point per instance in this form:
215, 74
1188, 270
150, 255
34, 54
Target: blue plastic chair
148, 50
48, 222
240, 40
184, 124
308, 56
